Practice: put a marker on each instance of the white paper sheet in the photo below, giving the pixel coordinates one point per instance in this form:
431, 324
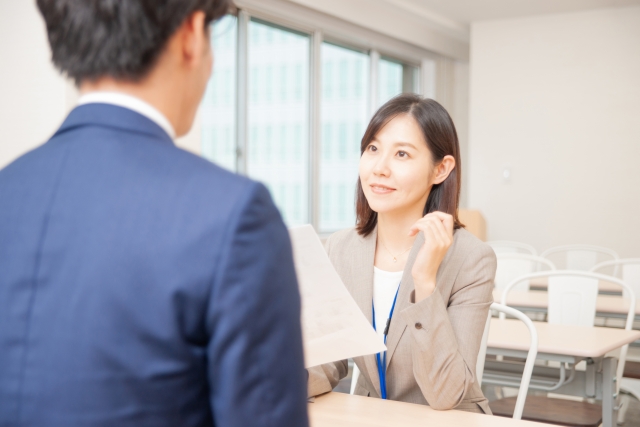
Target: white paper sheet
333, 327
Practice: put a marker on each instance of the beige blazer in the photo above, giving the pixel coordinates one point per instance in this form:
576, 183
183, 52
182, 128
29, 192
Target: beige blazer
432, 346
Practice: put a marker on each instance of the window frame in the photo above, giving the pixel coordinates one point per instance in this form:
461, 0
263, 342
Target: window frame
321, 28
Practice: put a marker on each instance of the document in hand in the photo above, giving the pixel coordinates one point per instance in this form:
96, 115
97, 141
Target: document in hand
333, 326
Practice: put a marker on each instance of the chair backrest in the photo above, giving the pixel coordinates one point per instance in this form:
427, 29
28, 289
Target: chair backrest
579, 257
510, 247
564, 300
513, 265
572, 300
531, 355
631, 276
629, 273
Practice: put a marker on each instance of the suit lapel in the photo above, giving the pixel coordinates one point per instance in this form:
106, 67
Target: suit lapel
363, 267
404, 294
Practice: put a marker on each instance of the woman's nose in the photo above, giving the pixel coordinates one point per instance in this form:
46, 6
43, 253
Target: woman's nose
381, 167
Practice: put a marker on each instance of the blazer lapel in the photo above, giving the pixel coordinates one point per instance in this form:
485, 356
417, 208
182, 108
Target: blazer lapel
363, 294
398, 327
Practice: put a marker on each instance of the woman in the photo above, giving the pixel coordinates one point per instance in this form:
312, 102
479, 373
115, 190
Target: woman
409, 260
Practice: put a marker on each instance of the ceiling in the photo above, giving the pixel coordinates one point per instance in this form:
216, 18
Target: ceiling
455, 12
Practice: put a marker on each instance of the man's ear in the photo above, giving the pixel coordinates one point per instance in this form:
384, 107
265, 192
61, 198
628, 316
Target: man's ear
194, 38
443, 169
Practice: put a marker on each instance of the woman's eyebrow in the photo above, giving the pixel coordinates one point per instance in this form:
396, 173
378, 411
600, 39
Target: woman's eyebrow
404, 144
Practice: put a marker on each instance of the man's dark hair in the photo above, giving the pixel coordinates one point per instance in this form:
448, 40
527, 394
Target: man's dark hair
121, 39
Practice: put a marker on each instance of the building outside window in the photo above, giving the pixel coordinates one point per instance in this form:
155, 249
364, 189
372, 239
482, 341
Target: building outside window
218, 108
279, 145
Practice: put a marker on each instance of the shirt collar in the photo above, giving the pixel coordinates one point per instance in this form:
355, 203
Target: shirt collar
132, 103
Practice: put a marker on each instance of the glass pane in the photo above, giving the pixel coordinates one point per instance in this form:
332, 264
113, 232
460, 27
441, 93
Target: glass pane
389, 80
344, 118
278, 140
218, 109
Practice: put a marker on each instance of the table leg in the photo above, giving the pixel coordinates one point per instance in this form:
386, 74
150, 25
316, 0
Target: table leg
609, 392
591, 376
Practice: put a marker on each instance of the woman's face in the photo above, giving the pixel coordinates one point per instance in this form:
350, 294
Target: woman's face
396, 168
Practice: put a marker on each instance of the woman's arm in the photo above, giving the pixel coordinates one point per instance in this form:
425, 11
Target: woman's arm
323, 378
446, 340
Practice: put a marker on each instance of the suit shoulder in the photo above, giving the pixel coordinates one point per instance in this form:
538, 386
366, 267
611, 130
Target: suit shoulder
198, 164
344, 235
471, 245
341, 239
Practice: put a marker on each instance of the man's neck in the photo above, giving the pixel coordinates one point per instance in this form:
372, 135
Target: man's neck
146, 90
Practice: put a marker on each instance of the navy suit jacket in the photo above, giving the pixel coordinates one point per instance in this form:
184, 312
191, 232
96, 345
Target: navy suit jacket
141, 285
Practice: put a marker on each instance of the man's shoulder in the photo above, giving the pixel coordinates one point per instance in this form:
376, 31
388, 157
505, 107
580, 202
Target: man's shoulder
207, 169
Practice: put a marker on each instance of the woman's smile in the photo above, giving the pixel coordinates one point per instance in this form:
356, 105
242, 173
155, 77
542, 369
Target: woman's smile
381, 189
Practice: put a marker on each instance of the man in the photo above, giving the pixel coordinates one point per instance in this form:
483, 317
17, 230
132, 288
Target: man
141, 285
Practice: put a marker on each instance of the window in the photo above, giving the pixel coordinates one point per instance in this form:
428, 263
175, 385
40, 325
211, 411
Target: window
218, 109
395, 78
389, 80
267, 115
277, 159
343, 119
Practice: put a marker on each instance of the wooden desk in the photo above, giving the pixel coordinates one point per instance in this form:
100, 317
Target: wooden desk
538, 300
339, 409
559, 340
564, 344
540, 283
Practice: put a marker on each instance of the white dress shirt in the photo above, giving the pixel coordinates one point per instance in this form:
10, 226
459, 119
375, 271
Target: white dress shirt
132, 103
385, 285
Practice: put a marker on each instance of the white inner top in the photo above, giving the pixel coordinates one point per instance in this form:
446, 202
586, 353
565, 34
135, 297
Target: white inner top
385, 285
132, 103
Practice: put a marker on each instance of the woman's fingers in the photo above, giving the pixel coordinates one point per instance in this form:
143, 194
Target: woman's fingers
413, 230
442, 218
440, 231
446, 219
417, 227
434, 231
437, 236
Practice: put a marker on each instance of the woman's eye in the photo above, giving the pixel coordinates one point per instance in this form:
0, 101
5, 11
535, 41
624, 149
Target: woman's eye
373, 148
403, 154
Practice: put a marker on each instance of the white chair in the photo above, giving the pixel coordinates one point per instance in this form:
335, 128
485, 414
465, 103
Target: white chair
510, 247
579, 257
531, 355
355, 374
629, 271
572, 299
514, 265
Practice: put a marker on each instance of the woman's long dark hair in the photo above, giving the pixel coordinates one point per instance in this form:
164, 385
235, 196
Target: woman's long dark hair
442, 140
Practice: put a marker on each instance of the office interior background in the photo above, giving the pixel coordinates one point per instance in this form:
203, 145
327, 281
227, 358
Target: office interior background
545, 96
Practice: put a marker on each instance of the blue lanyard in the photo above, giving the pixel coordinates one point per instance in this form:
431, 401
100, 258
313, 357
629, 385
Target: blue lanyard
382, 364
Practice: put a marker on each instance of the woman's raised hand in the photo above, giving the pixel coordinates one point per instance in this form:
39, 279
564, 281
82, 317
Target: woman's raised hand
438, 236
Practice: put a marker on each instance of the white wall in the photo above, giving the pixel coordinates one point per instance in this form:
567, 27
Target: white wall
33, 96
558, 99
394, 19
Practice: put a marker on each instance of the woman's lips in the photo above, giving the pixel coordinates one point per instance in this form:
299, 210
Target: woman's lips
381, 189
